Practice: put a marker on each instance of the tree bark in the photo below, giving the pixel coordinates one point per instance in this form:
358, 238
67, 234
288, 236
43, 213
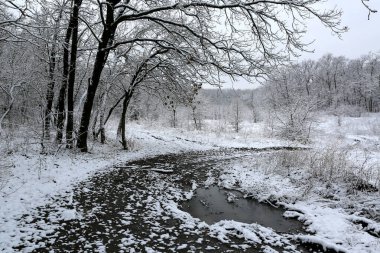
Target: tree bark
123, 117
71, 80
94, 135
113, 108
65, 74
51, 84
100, 60
102, 109
11, 102
49, 94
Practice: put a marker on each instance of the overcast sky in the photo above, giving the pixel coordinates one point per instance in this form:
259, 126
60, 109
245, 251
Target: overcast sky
362, 37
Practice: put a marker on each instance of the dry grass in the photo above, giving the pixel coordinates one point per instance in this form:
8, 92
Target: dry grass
327, 166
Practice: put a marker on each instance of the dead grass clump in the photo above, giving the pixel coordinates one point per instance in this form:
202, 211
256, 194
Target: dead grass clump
329, 166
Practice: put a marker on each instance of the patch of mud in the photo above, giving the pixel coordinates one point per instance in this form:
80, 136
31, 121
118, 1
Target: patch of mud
214, 204
134, 208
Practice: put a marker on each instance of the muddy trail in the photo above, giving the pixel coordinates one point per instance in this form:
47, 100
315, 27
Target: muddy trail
144, 206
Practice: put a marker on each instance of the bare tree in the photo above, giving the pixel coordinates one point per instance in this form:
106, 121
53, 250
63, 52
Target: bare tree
52, 48
11, 95
15, 79
72, 69
194, 104
141, 72
272, 38
68, 76
237, 115
369, 8
290, 110
12, 12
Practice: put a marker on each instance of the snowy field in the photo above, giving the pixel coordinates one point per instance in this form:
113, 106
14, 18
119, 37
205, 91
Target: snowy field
331, 186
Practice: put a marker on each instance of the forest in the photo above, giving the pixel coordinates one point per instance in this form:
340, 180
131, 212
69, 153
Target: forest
86, 52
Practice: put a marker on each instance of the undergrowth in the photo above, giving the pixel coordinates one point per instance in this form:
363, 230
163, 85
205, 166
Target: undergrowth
330, 166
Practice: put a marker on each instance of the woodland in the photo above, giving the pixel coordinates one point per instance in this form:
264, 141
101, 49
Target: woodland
68, 65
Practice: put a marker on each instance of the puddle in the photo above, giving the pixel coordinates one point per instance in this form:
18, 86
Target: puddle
122, 209
211, 205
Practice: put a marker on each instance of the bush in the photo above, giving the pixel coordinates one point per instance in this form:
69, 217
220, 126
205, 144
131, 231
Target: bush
329, 165
292, 121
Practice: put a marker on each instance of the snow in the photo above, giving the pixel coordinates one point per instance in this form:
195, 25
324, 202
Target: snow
332, 226
325, 244
334, 230
183, 246
35, 178
69, 214
325, 209
162, 170
331, 212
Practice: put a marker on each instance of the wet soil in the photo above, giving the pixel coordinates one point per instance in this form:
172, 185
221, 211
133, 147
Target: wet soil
129, 209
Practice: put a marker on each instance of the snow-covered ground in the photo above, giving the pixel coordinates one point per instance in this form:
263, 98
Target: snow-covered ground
29, 179
331, 188
328, 199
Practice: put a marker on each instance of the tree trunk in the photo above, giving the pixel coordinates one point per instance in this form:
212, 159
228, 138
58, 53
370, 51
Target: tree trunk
122, 129
174, 118
94, 135
237, 118
12, 100
102, 110
65, 74
100, 60
49, 94
51, 84
113, 108
71, 81
194, 114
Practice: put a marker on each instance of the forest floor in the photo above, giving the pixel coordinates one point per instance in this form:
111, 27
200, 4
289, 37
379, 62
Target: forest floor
331, 185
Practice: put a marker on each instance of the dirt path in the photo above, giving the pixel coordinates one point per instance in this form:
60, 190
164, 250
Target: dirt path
137, 208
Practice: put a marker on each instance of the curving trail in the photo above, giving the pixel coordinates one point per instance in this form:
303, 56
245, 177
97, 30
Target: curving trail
137, 208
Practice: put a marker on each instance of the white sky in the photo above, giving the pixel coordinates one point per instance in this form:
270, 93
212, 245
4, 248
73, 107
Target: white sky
362, 37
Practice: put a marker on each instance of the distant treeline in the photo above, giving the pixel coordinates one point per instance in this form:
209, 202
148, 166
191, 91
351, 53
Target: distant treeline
330, 82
